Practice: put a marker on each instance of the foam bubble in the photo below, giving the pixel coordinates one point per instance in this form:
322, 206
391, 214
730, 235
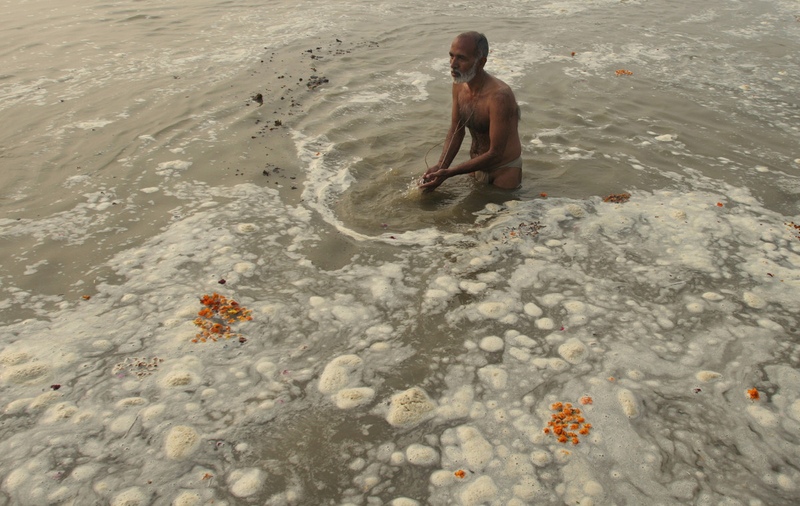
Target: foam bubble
187, 498
421, 455
707, 376
180, 442
628, 402
59, 412
442, 478
133, 496
545, 324
246, 482
410, 408
26, 373
179, 379
573, 351
403, 501
12, 357
350, 398
540, 458
493, 310
494, 377
340, 372
481, 491
476, 449
763, 416
794, 410
491, 344
551, 299
753, 300
532, 309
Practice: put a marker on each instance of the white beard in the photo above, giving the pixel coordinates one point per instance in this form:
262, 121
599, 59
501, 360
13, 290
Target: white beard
469, 76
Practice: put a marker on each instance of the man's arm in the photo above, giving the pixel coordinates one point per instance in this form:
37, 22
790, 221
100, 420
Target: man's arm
452, 144
502, 112
455, 136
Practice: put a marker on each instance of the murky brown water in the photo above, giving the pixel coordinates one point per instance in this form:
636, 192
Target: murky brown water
139, 173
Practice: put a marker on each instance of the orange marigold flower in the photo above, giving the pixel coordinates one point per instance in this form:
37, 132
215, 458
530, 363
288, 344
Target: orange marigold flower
585, 400
460, 473
556, 406
753, 394
584, 431
562, 439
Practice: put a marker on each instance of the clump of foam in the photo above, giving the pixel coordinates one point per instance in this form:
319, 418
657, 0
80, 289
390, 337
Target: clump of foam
403, 501
628, 402
573, 351
495, 377
491, 344
421, 455
340, 372
493, 310
180, 442
707, 376
179, 379
476, 450
532, 309
753, 300
187, 498
26, 373
410, 408
246, 482
349, 398
12, 357
133, 496
481, 491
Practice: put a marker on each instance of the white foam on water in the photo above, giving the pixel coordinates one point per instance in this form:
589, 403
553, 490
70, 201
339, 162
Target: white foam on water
655, 317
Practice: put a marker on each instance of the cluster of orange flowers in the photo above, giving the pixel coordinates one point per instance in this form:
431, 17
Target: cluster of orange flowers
567, 423
623, 72
216, 317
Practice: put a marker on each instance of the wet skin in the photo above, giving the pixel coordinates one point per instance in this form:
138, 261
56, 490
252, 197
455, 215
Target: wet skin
487, 107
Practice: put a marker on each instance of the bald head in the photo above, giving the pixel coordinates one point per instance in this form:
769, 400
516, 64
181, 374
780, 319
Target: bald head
479, 40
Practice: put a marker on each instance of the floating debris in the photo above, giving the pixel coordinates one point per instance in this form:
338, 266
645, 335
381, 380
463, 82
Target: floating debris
617, 198
138, 366
795, 228
623, 72
524, 230
315, 81
567, 423
216, 317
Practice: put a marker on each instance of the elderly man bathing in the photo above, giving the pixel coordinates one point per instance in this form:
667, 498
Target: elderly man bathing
485, 105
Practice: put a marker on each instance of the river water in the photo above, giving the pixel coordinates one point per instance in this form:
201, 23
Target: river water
400, 348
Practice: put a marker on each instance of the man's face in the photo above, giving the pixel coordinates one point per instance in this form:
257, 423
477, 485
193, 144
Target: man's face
464, 60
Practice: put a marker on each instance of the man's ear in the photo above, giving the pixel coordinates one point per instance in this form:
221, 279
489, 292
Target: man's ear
482, 62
